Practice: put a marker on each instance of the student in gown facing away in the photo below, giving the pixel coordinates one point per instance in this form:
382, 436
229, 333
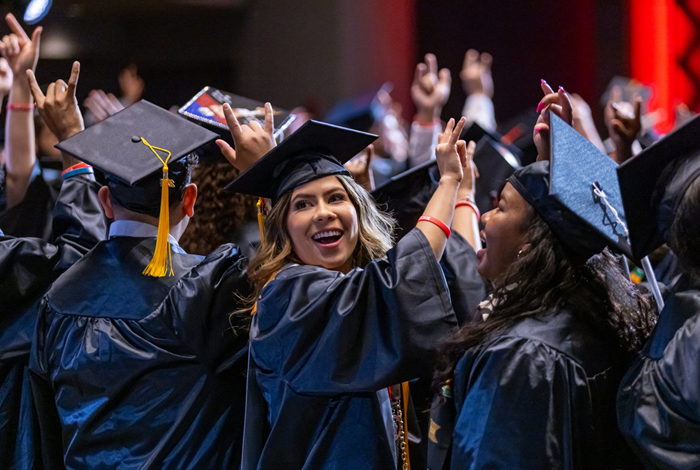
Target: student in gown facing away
340, 315
532, 384
657, 405
136, 361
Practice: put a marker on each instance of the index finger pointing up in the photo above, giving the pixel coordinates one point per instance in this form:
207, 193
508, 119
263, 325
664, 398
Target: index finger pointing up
34, 88
233, 124
73, 80
457, 131
269, 119
15, 27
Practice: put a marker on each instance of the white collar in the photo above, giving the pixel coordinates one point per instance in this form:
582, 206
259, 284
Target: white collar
133, 228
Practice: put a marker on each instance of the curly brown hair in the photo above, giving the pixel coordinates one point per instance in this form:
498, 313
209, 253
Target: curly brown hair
218, 213
544, 280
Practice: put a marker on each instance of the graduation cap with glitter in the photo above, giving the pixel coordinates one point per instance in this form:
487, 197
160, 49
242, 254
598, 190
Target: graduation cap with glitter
654, 182
577, 194
140, 150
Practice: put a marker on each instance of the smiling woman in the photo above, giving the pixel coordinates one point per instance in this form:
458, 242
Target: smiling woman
340, 315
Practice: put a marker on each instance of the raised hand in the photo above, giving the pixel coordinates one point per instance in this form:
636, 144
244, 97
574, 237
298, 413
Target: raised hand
102, 105
131, 84
21, 52
471, 173
623, 128
59, 107
476, 73
252, 141
451, 161
359, 168
430, 89
560, 104
5, 78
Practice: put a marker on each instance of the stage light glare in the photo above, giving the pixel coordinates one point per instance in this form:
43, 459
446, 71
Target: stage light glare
36, 11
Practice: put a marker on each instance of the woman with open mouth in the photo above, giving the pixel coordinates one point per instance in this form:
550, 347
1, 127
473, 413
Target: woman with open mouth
532, 383
340, 315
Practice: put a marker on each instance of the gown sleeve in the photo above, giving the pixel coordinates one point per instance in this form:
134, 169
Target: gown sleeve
658, 405
29, 265
326, 333
467, 288
215, 289
517, 412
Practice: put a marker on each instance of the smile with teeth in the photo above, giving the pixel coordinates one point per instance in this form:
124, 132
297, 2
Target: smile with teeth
327, 236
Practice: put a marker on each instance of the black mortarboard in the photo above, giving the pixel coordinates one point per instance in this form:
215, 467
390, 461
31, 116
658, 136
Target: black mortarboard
564, 194
139, 148
518, 131
206, 108
359, 113
495, 165
115, 146
315, 150
475, 132
654, 182
406, 195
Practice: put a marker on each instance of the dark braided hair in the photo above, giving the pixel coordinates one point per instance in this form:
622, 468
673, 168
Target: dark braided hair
543, 280
218, 212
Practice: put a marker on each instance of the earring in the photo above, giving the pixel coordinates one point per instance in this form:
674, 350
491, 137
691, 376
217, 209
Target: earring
519, 253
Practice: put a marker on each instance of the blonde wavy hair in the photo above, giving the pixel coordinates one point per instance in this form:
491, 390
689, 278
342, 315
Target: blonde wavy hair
374, 239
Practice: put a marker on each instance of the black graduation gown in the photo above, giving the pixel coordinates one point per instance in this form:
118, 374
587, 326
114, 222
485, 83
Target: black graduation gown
27, 267
143, 372
32, 216
658, 404
323, 343
467, 289
541, 395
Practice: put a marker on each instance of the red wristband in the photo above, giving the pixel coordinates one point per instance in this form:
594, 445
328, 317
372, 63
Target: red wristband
446, 230
77, 166
422, 123
472, 205
20, 106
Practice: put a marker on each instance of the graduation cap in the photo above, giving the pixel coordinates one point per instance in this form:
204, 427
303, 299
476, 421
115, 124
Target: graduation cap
140, 149
315, 150
495, 166
406, 195
576, 194
518, 131
475, 132
653, 185
359, 113
206, 107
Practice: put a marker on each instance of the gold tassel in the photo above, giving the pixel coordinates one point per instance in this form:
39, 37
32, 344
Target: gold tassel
261, 218
158, 267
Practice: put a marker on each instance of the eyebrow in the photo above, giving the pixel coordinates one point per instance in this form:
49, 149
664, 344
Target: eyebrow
311, 196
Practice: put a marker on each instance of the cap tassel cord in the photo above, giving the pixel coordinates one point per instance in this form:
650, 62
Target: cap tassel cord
158, 267
646, 264
261, 218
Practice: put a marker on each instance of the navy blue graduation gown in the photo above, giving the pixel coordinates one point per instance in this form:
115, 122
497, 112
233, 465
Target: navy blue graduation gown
132, 371
658, 404
541, 395
27, 267
323, 343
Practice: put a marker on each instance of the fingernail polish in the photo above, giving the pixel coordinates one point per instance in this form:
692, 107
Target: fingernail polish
540, 106
542, 80
561, 88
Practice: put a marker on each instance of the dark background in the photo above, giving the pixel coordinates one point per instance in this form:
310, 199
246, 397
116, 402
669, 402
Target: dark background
294, 52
